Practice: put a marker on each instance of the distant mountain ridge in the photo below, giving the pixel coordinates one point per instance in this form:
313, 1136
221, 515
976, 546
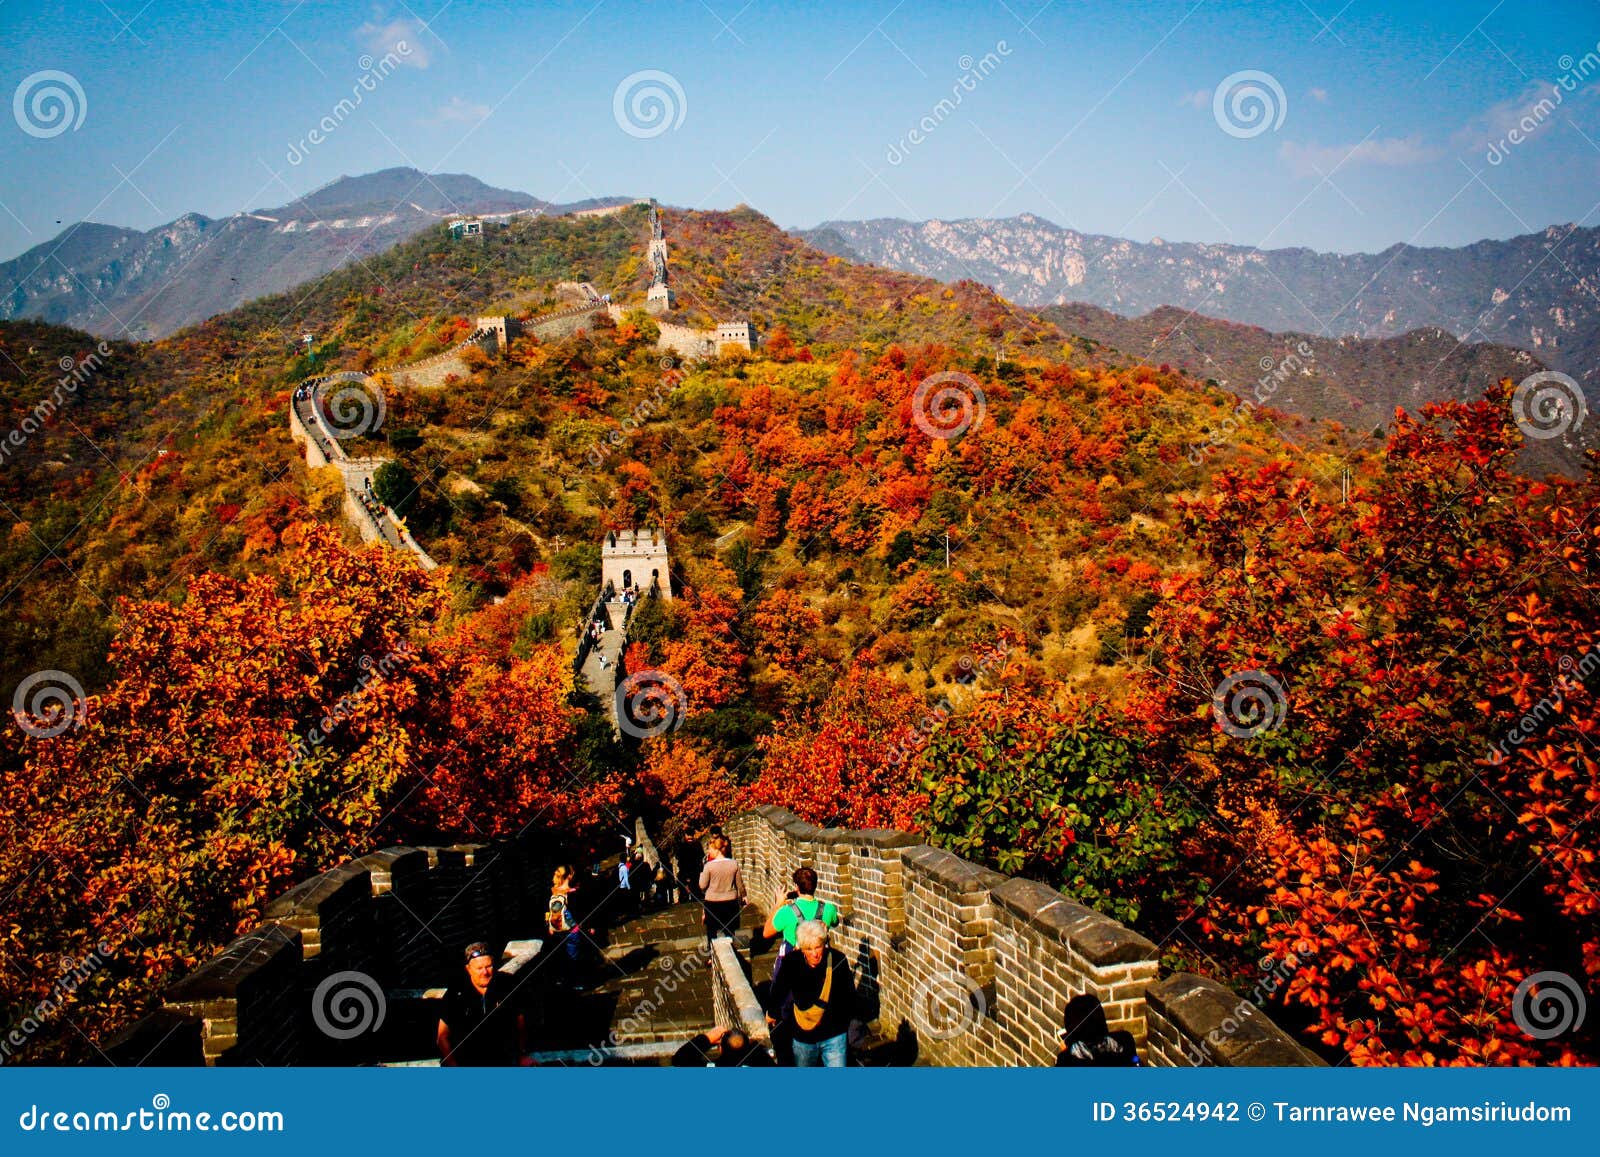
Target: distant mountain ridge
1358, 382
1539, 292
120, 282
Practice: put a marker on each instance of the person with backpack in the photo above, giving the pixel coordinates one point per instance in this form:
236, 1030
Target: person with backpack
795, 909
565, 926
816, 994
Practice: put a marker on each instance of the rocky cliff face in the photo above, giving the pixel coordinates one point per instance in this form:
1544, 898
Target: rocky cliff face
1539, 292
124, 283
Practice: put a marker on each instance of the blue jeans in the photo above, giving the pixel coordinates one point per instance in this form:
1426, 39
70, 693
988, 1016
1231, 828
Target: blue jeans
829, 1054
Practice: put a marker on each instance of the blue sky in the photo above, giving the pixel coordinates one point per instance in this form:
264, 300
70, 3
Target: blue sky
1382, 119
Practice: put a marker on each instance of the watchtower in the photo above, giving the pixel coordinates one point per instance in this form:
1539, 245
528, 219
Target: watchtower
635, 558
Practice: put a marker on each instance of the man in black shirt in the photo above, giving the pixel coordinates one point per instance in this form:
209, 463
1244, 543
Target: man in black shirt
814, 994
480, 1023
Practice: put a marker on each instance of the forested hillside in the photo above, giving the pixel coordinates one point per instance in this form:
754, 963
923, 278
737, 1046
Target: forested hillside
937, 566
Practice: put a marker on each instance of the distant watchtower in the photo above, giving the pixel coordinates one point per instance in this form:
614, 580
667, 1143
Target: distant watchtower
740, 334
635, 558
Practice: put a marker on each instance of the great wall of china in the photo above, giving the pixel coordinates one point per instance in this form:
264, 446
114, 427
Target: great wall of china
969, 966
322, 439
955, 964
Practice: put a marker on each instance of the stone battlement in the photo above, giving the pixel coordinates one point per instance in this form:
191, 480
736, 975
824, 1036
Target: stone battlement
390, 925
979, 966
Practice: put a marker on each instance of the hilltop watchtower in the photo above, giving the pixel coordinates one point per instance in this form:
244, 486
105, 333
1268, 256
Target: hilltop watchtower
635, 558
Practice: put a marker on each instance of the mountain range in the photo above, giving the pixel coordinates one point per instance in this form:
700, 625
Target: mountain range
1539, 292
124, 283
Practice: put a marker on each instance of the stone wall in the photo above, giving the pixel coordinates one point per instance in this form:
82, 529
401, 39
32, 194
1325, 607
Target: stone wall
976, 967
315, 458
393, 922
734, 1002
687, 343
555, 326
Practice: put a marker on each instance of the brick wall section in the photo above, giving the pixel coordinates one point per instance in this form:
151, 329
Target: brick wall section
244, 999
977, 966
1195, 1021
399, 879
400, 916
555, 326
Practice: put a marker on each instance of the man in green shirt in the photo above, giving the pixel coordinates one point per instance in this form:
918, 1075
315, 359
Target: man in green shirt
795, 909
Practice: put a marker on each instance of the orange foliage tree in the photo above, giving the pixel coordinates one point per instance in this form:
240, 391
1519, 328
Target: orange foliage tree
254, 733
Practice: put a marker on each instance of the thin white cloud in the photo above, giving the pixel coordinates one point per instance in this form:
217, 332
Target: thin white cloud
1199, 98
459, 112
1320, 95
1539, 102
1306, 160
403, 38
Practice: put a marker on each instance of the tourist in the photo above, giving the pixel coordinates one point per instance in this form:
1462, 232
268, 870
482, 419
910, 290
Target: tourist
480, 1023
1086, 1040
722, 1048
563, 920
794, 909
721, 890
816, 995
638, 878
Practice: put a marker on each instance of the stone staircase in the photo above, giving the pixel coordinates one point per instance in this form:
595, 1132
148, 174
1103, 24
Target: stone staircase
602, 680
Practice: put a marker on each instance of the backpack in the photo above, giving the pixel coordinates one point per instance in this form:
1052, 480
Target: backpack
558, 917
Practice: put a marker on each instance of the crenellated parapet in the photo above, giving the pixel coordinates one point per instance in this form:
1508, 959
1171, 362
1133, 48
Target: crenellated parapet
371, 939
979, 965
